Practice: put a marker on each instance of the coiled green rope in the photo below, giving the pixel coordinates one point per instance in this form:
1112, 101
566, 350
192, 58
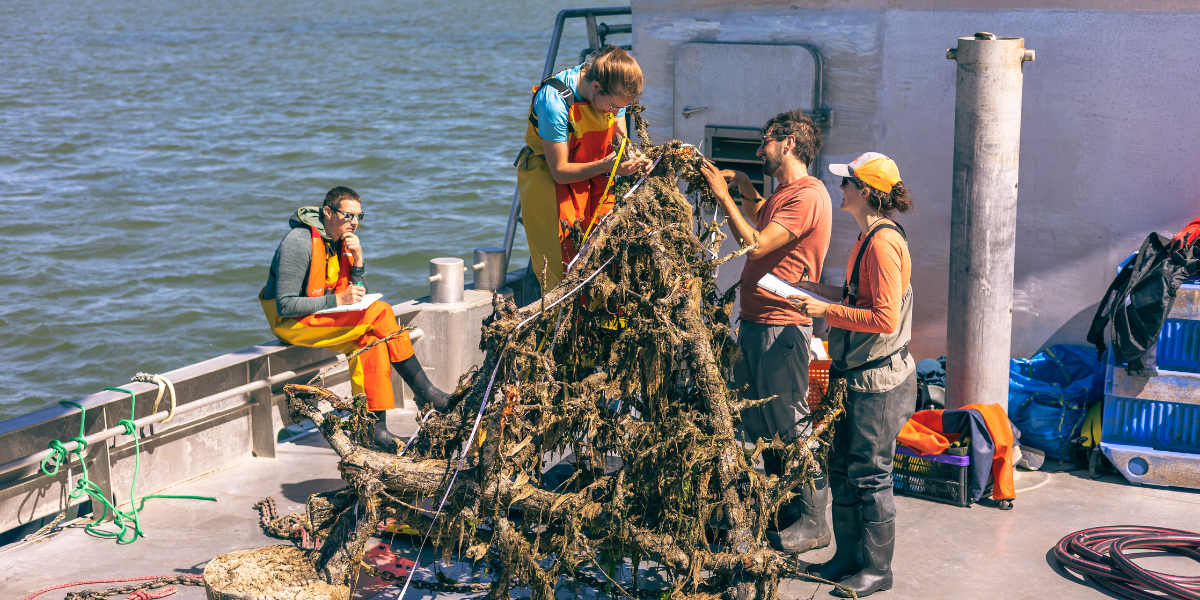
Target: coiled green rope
128, 523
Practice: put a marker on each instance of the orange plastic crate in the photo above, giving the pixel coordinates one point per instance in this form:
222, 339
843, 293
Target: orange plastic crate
818, 381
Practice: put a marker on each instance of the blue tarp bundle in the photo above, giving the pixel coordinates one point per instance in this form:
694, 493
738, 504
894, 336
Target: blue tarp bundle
1048, 395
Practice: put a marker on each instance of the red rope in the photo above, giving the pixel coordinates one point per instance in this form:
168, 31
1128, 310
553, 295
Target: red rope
94, 581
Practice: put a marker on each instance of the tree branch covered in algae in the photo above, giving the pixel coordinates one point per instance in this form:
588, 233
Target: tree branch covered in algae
630, 358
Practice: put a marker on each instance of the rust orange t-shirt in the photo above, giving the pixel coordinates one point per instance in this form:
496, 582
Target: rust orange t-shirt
883, 278
802, 207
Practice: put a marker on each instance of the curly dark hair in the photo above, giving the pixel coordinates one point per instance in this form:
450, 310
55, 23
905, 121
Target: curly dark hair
900, 199
334, 197
797, 124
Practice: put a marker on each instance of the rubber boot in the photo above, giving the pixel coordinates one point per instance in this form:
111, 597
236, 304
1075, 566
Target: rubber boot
383, 438
424, 391
847, 534
878, 546
809, 529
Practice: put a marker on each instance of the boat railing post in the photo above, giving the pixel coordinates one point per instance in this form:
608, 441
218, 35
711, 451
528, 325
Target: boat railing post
262, 419
593, 35
100, 471
510, 233
983, 220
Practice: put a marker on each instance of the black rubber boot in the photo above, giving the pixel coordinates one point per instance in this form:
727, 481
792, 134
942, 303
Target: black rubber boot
878, 545
847, 534
809, 530
383, 438
424, 391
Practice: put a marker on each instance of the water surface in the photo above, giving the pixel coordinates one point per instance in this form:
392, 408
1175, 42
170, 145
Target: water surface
152, 150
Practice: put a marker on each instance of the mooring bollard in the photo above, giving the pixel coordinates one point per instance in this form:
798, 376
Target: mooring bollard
489, 268
446, 280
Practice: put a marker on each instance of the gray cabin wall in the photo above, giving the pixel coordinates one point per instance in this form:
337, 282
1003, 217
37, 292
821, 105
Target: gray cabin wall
1110, 144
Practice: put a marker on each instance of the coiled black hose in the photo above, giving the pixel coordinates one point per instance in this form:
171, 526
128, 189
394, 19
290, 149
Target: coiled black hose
1100, 553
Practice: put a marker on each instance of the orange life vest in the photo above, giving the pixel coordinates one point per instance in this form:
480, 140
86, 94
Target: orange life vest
322, 279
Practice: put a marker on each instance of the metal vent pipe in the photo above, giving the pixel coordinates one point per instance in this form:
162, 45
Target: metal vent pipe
983, 222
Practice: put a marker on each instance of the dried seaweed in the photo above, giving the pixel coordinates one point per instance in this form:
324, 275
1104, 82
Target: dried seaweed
625, 366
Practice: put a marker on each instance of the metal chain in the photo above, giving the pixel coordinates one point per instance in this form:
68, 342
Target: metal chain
129, 589
288, 527
267, 512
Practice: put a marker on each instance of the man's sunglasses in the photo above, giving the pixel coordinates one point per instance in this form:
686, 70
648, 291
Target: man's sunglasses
349, 216
851, 181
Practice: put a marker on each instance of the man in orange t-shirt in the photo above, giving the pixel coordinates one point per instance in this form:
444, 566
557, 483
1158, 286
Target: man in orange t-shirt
792, 229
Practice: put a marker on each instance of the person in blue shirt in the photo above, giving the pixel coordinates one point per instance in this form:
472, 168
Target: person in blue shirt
575, 128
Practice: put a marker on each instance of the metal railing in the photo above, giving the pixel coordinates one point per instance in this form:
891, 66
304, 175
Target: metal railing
227, 409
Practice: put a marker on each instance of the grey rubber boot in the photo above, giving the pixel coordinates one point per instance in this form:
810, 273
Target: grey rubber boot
847, 533
383, 438
878, 546
424, 392
808, 529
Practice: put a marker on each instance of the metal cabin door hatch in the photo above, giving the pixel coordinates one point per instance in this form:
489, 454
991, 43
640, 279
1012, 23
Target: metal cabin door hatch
725, 93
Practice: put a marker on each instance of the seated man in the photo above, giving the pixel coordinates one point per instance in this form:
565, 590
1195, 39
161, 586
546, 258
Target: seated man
319, 265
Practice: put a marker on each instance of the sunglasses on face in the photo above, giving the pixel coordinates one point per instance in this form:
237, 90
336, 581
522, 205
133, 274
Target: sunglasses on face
858, 185
349, 216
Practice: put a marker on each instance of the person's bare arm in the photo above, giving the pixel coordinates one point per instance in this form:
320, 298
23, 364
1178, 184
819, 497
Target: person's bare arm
769, 239
751, 200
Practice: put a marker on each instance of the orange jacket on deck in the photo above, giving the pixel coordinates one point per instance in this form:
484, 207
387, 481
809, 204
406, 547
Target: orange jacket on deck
924, 433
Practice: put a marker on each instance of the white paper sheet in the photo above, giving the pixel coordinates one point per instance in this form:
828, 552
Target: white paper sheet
783, 289
360, 305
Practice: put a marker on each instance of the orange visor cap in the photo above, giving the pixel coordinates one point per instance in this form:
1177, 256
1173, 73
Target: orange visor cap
873, 169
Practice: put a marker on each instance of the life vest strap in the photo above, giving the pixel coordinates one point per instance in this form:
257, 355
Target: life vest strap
560, 88
851, 289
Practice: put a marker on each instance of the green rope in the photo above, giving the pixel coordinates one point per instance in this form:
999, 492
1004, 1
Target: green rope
122, 519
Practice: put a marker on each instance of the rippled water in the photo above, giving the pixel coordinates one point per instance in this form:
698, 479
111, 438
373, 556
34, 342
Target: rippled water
152, 150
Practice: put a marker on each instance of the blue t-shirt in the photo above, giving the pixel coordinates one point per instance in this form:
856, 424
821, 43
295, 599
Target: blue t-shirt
551, 110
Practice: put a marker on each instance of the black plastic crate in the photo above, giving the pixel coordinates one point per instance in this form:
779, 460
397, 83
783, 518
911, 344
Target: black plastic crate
939, 477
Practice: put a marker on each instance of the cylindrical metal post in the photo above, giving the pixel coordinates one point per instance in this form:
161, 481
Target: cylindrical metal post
983, 221
489, 268
446, 280
510, 232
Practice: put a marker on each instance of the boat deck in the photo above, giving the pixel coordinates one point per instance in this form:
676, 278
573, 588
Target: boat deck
942, 551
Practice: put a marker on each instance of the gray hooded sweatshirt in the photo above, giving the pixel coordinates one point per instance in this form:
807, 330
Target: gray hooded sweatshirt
288, 279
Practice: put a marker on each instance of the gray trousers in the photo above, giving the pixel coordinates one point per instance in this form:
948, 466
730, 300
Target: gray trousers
774, 363
864, 440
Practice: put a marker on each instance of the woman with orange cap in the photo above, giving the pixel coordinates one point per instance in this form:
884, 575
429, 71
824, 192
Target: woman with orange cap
868, 342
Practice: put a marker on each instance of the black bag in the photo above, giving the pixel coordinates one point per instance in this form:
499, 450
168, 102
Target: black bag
1139, 300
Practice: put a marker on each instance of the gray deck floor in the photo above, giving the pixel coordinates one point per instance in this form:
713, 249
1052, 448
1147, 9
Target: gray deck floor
942, 551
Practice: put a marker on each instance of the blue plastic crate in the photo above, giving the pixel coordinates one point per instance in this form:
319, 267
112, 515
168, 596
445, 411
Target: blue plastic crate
1172, 426
1179, 346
